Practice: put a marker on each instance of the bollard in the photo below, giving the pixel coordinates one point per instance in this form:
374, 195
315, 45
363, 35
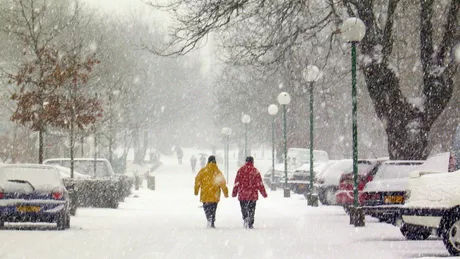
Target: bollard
151, 182
136, 182
73, 200
357, 217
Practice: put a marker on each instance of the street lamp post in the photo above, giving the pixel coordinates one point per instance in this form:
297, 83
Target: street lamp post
311, 75
353, 31
226, 132
284, 99
273, 110
246, 119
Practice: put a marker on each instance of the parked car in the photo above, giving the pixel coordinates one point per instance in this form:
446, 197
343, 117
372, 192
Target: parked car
433, 207
65, 173
367, 168
279, 176
299, 180
388, 189
99, 168
33, 193
297, 157
385, 195
327, 182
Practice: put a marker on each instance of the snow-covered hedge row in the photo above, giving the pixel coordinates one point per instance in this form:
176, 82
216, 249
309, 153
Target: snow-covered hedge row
99, 193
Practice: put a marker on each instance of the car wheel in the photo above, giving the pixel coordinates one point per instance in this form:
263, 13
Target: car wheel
2, 224
451, 235
413, 232
330, 196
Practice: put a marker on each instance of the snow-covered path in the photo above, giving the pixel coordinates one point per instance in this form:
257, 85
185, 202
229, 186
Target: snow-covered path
168, 223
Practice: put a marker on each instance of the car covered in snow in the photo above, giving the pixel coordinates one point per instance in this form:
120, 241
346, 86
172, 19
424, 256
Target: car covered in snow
65, 173
299, 180
367, 168
433, 207
327, 182
33, 193
383, 195
99, 168
278, 176
386, 194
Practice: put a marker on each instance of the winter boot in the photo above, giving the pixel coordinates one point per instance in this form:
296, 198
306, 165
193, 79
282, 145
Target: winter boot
246, 223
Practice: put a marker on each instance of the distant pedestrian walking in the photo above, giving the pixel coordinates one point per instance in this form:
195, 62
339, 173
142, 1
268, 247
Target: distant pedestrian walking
248, 184
211, 182
193, 161
203, 161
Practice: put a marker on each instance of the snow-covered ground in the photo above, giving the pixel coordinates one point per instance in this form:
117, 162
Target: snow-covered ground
169, 223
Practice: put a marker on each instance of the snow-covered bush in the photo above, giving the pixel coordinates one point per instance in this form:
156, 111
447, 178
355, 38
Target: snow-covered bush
99, 193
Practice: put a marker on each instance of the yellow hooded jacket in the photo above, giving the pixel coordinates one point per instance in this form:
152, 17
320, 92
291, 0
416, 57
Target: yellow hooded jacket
211, 181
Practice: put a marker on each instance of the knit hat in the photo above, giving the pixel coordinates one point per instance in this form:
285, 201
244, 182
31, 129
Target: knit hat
250, 159
212, 159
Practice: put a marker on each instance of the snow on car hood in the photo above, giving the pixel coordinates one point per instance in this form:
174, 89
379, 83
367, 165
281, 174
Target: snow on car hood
434, 190
389, 185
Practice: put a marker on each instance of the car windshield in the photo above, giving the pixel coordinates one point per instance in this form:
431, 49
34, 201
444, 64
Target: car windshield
365, 167
37, 177
395, 170
85, 167
338, 168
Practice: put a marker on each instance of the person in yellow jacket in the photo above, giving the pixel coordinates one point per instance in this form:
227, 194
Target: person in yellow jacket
211, 181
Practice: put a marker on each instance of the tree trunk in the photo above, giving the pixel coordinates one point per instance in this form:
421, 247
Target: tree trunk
408, 124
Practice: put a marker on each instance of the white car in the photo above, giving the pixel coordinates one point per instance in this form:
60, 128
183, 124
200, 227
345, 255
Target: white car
385, 193
328, 180
433, 207
99, 168
65, 173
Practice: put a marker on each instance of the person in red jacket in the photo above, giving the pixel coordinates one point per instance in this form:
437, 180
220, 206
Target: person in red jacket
248, 184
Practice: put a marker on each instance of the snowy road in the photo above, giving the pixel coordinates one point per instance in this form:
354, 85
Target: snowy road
168, 223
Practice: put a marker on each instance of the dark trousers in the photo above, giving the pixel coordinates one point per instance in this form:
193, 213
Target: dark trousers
210, 211
248, 210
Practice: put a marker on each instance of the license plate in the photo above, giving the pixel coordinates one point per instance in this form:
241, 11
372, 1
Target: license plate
28, 208
301, 186
394, 199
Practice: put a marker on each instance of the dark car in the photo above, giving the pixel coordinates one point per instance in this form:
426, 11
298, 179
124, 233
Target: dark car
33, 193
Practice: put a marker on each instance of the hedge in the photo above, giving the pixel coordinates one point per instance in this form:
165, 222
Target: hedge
98, 193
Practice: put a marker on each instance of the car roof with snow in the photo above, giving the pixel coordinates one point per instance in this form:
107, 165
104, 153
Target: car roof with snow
75, 159
39, 176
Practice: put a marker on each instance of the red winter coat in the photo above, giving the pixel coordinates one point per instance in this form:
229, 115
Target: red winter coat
248, 183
